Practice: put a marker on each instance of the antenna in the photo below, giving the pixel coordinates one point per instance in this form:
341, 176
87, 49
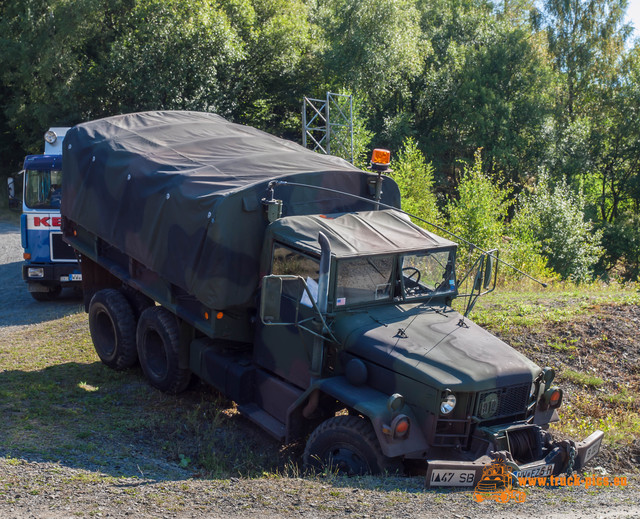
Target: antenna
387, 206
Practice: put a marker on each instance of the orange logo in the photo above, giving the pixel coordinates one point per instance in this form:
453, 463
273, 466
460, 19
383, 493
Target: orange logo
496, 484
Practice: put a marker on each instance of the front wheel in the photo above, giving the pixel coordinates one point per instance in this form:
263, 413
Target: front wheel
347, 445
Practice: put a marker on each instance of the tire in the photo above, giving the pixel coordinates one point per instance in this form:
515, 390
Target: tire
138, 301
113, 329
50, 295
347, 445
158, 350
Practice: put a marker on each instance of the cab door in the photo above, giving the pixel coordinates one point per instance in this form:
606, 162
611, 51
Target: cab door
287, 350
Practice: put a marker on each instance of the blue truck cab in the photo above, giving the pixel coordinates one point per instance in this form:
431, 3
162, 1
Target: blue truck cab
50, 264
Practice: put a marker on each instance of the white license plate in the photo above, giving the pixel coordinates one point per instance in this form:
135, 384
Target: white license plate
540, 470
592, 451
71, 277
452, 478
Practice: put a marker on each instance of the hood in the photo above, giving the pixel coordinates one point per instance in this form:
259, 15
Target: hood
432, 345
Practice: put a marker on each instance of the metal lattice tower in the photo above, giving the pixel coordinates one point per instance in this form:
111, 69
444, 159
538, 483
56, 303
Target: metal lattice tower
327, 125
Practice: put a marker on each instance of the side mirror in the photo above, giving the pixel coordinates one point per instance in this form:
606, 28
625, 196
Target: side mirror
489, 269
478, 279
270, 299
13, 188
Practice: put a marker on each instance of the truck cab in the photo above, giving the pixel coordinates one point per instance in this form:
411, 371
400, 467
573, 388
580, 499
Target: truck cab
50, 264
374, 333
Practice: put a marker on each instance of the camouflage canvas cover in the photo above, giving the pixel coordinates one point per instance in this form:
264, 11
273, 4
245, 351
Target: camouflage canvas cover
181, 193
357, 234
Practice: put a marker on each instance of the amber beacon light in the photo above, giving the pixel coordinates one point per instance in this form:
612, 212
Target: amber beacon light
381, 157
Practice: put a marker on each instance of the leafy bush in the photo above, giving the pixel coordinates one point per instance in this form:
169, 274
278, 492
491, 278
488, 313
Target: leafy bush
478, 214
621, 240
553, 217
415, 179
523, 250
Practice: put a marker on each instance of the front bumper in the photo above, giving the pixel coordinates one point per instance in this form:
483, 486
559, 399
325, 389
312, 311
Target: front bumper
52, 274
563, 457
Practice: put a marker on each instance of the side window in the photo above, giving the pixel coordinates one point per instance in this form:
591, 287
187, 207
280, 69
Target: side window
286, 261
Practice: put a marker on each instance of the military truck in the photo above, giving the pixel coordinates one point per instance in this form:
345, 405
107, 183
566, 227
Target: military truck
293, 283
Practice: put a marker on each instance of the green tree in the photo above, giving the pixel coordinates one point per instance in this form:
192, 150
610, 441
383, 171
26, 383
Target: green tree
415, 179
64, 65
45, 52
621, 240
479, 212
614, 140
586, 37
372, 47
277, 68
485, 85
554, 216
170, 55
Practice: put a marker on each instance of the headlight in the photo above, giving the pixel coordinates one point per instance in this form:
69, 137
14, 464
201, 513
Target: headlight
448, 403
35, 272
50, 137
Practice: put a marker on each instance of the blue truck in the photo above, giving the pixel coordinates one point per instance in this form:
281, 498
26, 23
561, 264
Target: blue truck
50, 264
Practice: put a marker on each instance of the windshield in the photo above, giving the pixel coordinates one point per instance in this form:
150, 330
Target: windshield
427, 273
361, 280
43, 189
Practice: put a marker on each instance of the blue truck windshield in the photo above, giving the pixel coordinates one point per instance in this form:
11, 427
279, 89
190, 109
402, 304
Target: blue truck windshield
43, 189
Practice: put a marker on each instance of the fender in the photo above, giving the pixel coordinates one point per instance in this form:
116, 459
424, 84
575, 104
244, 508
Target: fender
373, 405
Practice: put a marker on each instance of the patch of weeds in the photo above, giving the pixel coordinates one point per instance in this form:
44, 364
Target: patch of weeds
397, 498
582, 379
559, 344
586, 414
439, 498
623, 398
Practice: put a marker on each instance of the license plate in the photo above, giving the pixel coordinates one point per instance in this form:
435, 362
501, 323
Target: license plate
71, 277
452, 478
592, 451
540, 470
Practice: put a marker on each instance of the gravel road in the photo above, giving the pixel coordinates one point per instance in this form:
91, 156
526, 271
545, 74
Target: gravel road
36, 489
17, 307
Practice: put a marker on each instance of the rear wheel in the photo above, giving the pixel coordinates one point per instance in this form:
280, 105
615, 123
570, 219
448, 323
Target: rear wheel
347, 445
158, 350
138, 301
113, 329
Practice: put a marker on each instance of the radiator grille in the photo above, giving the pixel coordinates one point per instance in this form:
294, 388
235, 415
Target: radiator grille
499, 403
